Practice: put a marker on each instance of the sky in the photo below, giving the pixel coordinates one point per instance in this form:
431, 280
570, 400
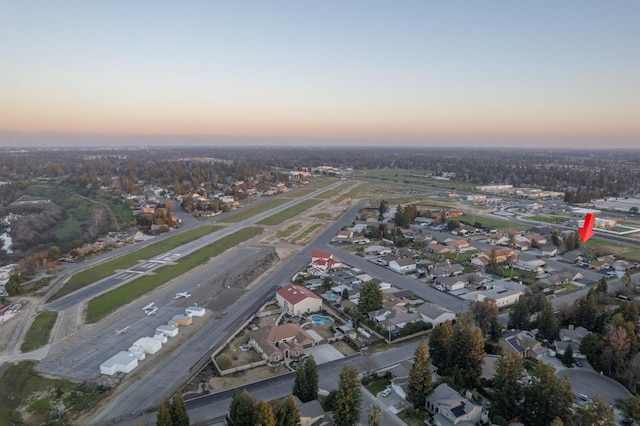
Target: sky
424, 73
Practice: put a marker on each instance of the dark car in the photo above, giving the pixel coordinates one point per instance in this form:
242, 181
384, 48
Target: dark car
579, 363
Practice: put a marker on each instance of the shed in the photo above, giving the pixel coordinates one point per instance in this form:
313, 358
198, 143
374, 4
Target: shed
167, 330
148, 344
122, 362
194, 311
180, 320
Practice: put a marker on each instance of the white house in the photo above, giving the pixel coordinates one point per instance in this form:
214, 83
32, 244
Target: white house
297, 300
504, 292
403, 266
122, 362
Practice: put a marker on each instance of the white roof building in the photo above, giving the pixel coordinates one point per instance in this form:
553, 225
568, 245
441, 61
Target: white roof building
148, 344
122, 362
167, 330
194, 311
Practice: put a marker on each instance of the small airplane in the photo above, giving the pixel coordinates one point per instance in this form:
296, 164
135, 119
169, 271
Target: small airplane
122, 331
152, 311
149, 306
184, 294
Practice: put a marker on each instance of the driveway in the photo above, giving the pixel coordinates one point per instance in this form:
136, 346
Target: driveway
324, 353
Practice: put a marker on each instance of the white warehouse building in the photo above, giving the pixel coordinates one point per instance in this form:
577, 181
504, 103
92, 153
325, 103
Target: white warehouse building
148, 345
122, 362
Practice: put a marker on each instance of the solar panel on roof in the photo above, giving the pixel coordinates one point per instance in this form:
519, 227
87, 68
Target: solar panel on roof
459, 410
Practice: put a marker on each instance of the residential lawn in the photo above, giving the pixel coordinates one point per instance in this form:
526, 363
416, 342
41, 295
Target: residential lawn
304, 234
108, 268
252, 210
20, 383
38, 334
461, 257
101, 306
414, 417
350, 247
491, 223
378, 385
292, 211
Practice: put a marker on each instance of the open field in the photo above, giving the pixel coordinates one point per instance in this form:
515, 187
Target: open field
38, 334
618, 249
292, 211
406, 176
106, 303
246, 377
323, 215
22, 387
289, 230
491, 223
252, 210
369, 189
343, 348
547, 219
304, 234
331, 192
106, 269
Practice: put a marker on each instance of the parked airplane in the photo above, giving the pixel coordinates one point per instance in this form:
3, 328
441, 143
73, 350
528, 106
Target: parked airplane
149, 306
152, 311
123, 331
179, 295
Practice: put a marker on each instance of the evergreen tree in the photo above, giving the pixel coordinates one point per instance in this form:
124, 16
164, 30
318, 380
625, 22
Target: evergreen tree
242, 409
299, 385
345, 294
179, 416
567, 357
547, 397
507, 385
548, 323
420, 376
439, 344
311, 378
374, 415
288, 414
602, 286
164, 414
587, 312
466, 353
485, 315
519, 315
264, 414
370, 297
597, 412
349, 398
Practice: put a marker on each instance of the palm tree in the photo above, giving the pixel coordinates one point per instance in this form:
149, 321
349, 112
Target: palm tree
374, 415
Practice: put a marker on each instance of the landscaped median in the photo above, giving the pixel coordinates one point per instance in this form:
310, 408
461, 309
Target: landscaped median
106, 269
101, 306
38, 334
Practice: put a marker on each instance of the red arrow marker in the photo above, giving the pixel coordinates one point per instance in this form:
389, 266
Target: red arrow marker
586, 231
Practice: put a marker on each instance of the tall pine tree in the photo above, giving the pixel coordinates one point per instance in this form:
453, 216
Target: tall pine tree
164, 414
288, 414
264, 414
507, 385
439, 344
349, 398
420, 376
179, 416
242, 409
311, 378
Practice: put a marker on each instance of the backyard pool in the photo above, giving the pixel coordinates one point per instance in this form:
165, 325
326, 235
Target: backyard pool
331, 297
321, 320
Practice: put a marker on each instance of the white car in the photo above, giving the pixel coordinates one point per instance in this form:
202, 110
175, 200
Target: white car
386, 392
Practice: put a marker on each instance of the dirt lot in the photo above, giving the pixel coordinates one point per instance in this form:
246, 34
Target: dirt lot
238, 357
343, 347
245, 377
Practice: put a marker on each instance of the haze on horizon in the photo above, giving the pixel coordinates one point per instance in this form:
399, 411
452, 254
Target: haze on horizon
518, 74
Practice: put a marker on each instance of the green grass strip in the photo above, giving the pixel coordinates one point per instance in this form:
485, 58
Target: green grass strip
108, 268
252, 210
289, 230
491, 223
38, 334
304, 234
101, 306
292, 211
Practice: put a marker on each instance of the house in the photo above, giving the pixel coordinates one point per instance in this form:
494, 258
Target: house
503, 292
297, 300
451, 283
344, 235
446, 269
523, 342
312, 413
437, 248
574, 335
502, 255
403, 265
574, 256
323, 261
561, 348
435, 314
562, 277
450, 408
549, 250
276, 344
395, 318
381, 250
534, 265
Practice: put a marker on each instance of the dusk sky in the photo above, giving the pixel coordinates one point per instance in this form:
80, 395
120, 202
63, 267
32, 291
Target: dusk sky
425, 73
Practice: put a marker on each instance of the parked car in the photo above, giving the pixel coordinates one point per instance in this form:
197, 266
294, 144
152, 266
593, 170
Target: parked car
579, 363
386, 392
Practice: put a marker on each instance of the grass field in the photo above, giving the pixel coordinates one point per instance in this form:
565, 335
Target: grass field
547, 219
405, 176
108, 268
331, 192
323, 215
304, 234
289, 230
20, 383
252, 210
38, 334
368, 189
106, 303
292, 211
618, 249
491, 223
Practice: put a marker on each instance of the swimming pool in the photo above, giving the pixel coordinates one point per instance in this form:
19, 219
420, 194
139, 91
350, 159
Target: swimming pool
330, 297
321, 320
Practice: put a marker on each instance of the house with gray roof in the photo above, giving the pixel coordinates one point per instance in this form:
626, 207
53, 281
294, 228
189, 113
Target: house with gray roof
449, 408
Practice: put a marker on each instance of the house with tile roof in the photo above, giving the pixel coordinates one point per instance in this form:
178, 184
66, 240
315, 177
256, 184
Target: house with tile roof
276, 344
298, 300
